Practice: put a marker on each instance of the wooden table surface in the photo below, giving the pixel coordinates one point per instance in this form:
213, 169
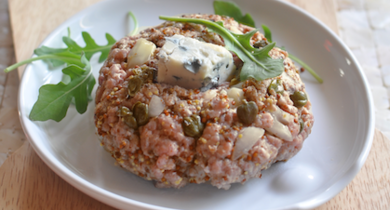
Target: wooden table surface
27, 183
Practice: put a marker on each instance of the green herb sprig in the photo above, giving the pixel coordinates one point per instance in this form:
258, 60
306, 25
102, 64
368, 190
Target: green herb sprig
232, 10
78, 81
70, 55
72, 47
257, 62
54, 99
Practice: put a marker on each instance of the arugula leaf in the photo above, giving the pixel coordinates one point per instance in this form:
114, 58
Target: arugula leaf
257, 62
268, 35
90, 48
71, 55
54, 100
232, 10
77, 83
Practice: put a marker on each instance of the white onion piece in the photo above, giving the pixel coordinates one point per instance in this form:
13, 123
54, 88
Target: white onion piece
280, 130
156, 106
246, 139
282, 116
140, 53
236, 94
289, 80
209, 95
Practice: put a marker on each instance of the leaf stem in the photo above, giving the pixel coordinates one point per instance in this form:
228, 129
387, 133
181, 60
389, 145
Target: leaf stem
100, 48
68, 32
130, 16
307, 67
56, 57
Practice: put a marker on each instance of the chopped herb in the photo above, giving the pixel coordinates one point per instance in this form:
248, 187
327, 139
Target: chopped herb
231, 9
257, 62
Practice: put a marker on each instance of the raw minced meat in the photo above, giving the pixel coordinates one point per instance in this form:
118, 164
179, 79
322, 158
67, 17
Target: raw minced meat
159, 149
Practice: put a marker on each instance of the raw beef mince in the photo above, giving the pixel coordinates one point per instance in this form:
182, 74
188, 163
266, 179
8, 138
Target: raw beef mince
170, 107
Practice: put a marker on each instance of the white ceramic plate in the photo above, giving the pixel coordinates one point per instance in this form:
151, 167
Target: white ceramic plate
330, 158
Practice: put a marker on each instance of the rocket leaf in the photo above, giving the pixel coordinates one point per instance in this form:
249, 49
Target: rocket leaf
70, 55
257, 62
90, 48
267, 33
54, 99
231, 9
77, 83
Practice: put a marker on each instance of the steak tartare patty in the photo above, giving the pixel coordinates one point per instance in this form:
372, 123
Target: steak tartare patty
221, 132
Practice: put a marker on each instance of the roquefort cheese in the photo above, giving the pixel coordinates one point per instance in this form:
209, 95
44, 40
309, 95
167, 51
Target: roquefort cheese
192, 64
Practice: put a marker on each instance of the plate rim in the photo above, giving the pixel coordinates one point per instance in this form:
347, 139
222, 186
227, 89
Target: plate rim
106, 196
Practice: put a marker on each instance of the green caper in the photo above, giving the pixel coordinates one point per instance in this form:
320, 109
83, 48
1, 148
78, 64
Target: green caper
148, 74
192, 125
247, 112
123, 111
130, 121
261, 43
141, 113
134, 85
302, 124
299, 98
276, 85
128, 117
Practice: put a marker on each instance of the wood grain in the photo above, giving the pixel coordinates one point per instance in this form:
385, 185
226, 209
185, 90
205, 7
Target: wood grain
33, 20
27, 183
326, 12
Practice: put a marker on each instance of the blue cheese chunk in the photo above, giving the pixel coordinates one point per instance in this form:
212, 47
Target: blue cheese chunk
192, 64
